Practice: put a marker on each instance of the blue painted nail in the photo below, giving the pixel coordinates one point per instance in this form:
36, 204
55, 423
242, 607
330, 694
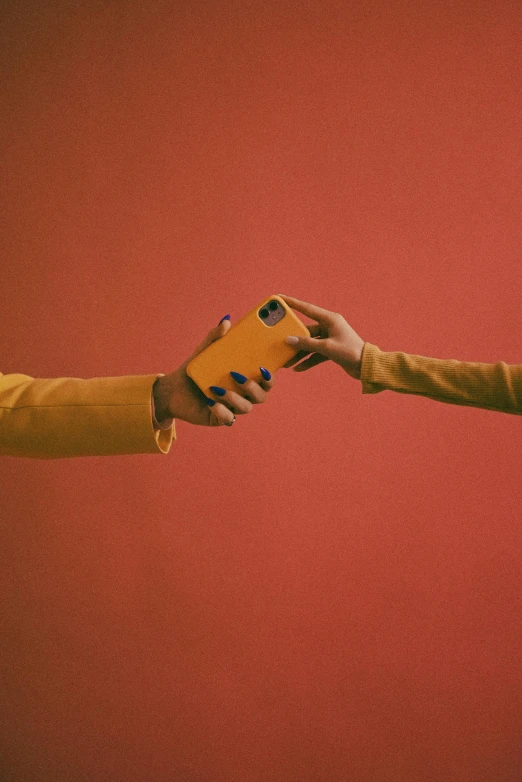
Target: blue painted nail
227, 317
218, 390
266, 374
210, 402
240, 378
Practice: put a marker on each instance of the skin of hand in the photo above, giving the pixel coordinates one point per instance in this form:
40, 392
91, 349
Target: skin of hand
177, 396
332, 338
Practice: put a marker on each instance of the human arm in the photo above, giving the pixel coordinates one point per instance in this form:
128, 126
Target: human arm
66, 417
108, 416
489, 386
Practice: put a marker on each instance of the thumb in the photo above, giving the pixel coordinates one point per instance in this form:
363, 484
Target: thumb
214, 334
311, 345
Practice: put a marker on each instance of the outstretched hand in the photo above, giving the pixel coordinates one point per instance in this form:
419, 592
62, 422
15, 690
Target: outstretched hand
177, 396
332, 338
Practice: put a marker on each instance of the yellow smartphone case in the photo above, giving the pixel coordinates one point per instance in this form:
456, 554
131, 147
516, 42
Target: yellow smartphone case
248, 345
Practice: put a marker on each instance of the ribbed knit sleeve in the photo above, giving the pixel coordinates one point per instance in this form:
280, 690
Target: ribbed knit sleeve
489, 386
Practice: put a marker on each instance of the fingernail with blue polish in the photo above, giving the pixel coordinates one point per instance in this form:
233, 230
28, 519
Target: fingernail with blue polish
266, 374
240, 378
218, 390
210, 402
227, 317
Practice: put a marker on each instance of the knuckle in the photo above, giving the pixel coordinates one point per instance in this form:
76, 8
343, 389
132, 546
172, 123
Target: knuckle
220, 413
256, 392
257, 397
239, 404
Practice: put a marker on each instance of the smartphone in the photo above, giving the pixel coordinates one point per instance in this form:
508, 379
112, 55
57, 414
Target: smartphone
257, 340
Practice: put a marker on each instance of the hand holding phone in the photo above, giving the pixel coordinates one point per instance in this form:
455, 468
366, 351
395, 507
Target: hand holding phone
257, 340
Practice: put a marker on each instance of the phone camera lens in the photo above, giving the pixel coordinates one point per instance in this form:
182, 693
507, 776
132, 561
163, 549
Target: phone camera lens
264, 313
273, 305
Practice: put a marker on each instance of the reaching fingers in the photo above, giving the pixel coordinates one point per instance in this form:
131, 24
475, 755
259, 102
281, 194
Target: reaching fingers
316, 330
296, 359
313, 361
325, 317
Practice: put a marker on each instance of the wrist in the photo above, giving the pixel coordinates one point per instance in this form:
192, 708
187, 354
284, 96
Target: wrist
161, 401
357, 367
354, 370
353, 365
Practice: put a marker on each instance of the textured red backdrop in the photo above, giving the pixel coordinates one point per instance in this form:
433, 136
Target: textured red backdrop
331, 589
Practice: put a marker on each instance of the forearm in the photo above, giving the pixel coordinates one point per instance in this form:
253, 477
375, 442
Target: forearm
489, 386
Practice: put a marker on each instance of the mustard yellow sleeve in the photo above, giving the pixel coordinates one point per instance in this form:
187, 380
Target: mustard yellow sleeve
489, 386
65, 417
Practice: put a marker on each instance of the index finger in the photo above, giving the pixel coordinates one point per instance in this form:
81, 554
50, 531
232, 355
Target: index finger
311, 310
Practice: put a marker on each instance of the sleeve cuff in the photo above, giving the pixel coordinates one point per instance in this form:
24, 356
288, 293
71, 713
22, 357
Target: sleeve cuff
368, 360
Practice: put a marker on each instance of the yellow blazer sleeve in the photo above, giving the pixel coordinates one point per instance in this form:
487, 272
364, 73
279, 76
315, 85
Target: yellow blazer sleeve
489, 386
68, 416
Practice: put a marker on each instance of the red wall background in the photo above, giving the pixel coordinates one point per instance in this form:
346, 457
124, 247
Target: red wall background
331, 589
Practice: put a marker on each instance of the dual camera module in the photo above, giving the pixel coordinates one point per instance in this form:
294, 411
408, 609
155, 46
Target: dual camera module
273, 305
271, 313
